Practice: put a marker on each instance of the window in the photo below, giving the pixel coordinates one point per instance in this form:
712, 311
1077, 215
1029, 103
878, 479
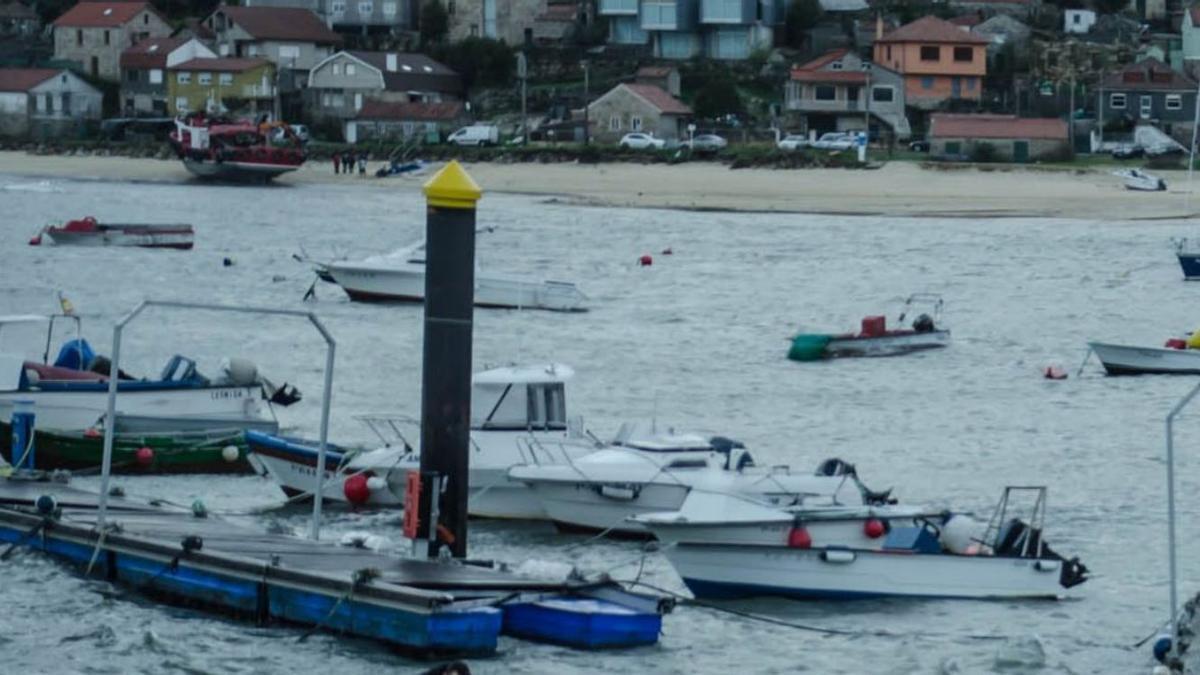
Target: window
338, 7
225, 79
614, 123
931, 53
350, 69
1077, 19
146, 19
729, 43
635, 123
971, 83
1174, 102
474, 30
204, 79
181, 103
953, 148
1116, 101
658, 15
450, 8
825, 92
156, 76
836, 65
131, 76
107, 37
366, 7
883, 94
625, 30
927, 82
389, 9
78, 38
289, 51
183, 78
1147, 106
964, 54
252, 50
337, 69
889, 52
721, 11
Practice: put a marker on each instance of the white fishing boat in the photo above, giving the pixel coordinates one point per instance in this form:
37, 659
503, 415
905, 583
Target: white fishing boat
87, 232
519, 415
726, 546
875, 338
399, 276
601, 491
1136, 179
71, 393
1131, 360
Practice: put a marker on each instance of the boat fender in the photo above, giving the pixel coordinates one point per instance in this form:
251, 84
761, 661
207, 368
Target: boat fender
1161, 647
1193, 341
1054, 373
375, 484
923, 324
839, 556
356, 490
230, 453
144, 456
240, 372
798, 537
1175, 343
36, 240
46, 505
874, 528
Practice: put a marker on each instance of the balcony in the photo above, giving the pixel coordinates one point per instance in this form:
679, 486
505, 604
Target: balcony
737, 12
618, 7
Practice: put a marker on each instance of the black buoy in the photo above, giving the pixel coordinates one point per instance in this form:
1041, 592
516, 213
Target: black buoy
450, 196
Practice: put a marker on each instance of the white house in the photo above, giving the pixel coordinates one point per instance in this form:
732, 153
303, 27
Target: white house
45, 102
1078, 20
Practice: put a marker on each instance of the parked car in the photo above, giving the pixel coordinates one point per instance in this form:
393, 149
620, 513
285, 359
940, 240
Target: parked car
1127, 151
640, 141
792, 142
919, 145
834, 141
476, 134
705, 143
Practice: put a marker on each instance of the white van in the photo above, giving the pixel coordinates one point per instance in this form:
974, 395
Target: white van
476, 134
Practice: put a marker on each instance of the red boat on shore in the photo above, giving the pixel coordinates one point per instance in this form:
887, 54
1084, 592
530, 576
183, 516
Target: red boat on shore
87, 232
236, 150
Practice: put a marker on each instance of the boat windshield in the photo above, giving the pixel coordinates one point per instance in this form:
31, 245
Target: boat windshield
540, 406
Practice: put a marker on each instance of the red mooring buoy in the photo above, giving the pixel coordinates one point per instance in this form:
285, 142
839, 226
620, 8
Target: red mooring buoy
646, 260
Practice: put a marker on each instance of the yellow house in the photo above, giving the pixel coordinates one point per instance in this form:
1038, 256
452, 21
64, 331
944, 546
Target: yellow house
221, 85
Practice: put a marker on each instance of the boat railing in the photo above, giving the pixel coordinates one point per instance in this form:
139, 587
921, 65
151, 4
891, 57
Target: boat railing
387, 427
1000, 517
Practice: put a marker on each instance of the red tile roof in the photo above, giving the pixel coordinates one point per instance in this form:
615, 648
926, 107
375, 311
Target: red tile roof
654, 71
151, 53
444, 111
221, 65
24, 79
945, 125
660, 99
1149, 74
933, 29
281, 23
824, 59
101, 14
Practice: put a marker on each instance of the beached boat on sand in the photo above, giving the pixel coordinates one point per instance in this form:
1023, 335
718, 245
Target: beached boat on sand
1174, 359
87, 232
875, 338
726, 546
1136, 179
235, 150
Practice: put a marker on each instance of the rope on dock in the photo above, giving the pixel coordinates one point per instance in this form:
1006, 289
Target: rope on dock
32, 532
360, 577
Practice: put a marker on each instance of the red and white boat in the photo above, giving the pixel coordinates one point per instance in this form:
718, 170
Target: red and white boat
236, 150
875, 338
87, 232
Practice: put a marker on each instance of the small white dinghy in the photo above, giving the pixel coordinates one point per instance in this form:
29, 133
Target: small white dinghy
727, 546
1174, 359
1136, 179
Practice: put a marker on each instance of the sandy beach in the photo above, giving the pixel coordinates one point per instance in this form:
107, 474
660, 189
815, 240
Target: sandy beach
898, 188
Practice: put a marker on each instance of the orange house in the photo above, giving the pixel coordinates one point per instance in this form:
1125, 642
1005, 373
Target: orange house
939, 60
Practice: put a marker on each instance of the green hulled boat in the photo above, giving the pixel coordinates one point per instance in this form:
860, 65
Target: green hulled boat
178, 452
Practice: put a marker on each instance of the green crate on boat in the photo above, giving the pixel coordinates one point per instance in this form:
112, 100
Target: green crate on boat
808, 347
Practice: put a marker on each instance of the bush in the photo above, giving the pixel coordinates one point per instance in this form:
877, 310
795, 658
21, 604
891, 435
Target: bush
1063, 152
984, 153
479, 61
1171, 161
435, 22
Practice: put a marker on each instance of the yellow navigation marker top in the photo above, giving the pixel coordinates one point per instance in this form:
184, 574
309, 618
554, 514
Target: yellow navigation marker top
452, 188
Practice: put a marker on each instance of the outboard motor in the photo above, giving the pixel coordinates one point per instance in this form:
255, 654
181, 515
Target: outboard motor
923, 324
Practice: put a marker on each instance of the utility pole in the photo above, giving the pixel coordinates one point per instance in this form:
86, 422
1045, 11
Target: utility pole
587, 125
523, 73
1071, 115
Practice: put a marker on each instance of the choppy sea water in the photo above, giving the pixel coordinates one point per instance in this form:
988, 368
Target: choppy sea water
697, 341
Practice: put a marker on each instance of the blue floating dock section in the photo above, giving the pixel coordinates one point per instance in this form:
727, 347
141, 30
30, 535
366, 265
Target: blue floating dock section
584, 623
423, 608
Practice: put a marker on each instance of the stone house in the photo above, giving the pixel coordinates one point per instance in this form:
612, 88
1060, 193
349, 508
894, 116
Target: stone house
1009, 42
144, 72
938, 60
293, 39
560, 21
1078, 21
637, 107
511, 21
1015, 139
222, 84
18, 20
93, 34
46, 103
343, 83
358, 17
1151, 92
838, 91
431, 121
663, 77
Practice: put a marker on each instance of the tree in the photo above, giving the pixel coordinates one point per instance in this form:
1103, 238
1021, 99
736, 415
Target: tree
717, 98
479, 61
802, 16
435, 22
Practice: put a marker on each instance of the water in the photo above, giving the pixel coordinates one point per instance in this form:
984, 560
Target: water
696, 340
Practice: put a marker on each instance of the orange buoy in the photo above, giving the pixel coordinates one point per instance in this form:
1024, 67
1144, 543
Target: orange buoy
356, 490
799, 537
144, 456
874, 528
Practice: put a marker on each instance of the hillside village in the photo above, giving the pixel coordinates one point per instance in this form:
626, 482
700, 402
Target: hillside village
1022, 80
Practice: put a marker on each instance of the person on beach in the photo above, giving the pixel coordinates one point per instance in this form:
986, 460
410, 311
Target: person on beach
337, 161
362, 164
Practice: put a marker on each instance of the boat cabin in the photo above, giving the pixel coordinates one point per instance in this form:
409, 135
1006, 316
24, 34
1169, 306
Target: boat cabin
529, 398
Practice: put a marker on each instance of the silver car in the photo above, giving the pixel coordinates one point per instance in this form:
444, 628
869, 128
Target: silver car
706, 143
792, 142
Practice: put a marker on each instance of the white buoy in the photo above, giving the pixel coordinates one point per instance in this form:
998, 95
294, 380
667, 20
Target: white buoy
230, 453
375, 483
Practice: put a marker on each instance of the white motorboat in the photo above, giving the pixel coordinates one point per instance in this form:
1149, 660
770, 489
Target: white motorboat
519, 415
400, 276
726, 546
600, 491
875, 338
1136, 179
1130, 360
71, 394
